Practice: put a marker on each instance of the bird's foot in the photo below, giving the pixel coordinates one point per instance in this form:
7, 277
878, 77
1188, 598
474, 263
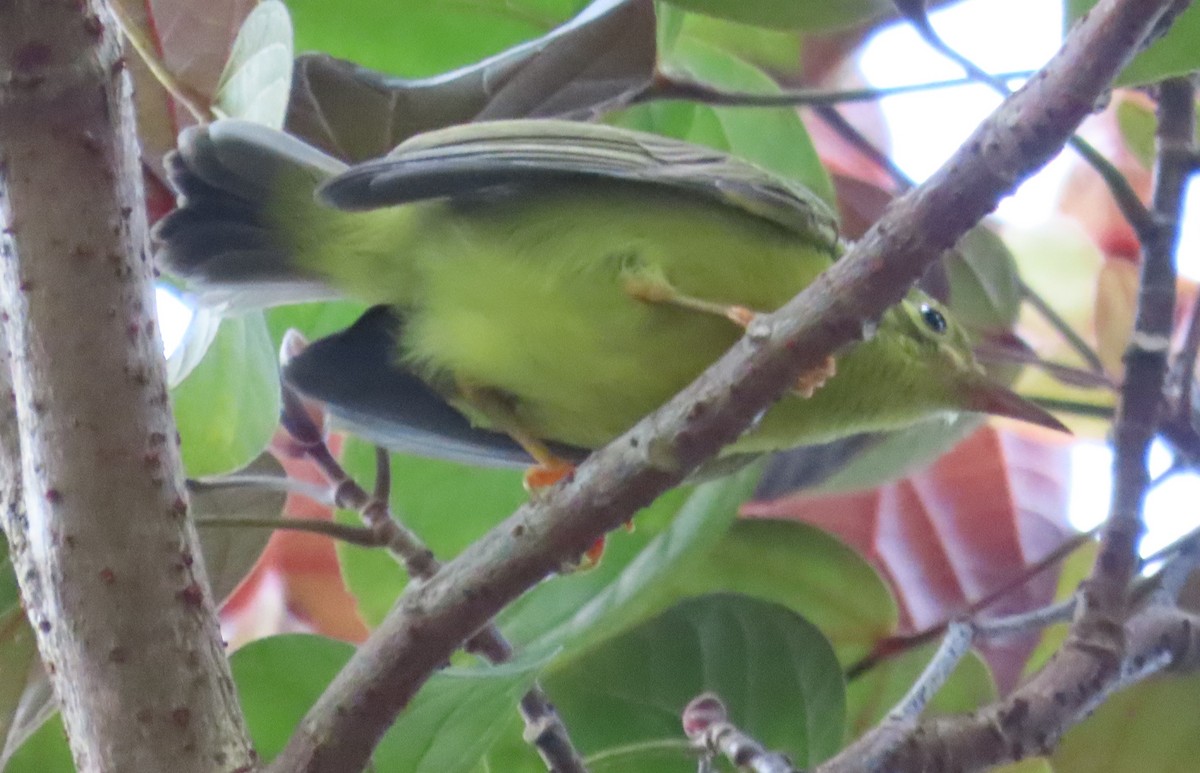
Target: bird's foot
546, 473
809, 382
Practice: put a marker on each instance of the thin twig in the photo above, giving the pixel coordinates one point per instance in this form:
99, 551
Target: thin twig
1034, 716
665, 86
955, 645
311, 491
847, 131
1075, 407
353, 535
544, 729
1062, 327
1035, 620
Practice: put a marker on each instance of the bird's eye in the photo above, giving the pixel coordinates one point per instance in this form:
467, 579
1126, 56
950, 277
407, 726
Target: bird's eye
933, 318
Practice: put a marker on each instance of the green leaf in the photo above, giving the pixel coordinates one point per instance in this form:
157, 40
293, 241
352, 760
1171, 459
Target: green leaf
603, 56
446, 728
893, 455
772, 49
773, 138
449, 505
1176, 53
230, 552
985, 291
258, 75
807, 15
25, 698
278, 680
228, 407
803, 569
1137, 125
313, 320
773, 670
415, 37
633, 580
10, 594
455, 718
1150, 727
46, 751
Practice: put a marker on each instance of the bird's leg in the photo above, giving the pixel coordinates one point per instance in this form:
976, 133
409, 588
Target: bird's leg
647, 284
549, 468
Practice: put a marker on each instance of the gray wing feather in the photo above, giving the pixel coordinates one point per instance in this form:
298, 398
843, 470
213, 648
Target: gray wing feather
472, 158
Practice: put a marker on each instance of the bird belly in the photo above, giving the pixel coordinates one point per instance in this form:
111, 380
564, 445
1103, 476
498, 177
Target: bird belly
533, 306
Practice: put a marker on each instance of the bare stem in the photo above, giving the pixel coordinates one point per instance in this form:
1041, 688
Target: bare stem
1145, 358
669, 86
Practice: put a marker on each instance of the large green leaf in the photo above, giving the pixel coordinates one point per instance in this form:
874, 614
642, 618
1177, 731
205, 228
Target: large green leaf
773, 670
807, 15
773, 138
228, 406
804, 569
446, 728
1149, 727
633, 581
46, 751
416, 37
1174, 54
602, 57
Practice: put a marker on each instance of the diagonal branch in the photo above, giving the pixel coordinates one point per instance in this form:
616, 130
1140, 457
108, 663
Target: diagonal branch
432, 620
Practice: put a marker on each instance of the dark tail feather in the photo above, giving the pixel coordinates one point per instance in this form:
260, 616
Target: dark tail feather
366, 390
221, 239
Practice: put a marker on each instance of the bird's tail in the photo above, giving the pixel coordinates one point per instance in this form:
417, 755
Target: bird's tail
246, 212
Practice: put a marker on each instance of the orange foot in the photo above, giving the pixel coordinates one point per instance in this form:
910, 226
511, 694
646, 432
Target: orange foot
808, 383
545, 474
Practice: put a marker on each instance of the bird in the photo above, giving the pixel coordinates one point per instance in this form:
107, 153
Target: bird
536, 286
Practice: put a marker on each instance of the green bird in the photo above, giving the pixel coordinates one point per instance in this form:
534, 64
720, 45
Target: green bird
537, 286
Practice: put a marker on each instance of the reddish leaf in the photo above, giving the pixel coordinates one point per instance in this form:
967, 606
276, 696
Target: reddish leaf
948, 537
1086, 198
860, 203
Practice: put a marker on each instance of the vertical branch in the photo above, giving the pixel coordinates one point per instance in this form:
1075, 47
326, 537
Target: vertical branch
103, 551
1146, 356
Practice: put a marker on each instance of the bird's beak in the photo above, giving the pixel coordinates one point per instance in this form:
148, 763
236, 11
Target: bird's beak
986, 396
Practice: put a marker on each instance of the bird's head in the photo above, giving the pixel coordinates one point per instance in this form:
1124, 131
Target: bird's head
934, 357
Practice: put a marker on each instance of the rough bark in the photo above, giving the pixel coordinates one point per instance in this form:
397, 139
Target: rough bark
104, 553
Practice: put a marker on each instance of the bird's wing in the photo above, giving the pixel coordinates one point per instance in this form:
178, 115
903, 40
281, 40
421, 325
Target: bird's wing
478, 157
367, 392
